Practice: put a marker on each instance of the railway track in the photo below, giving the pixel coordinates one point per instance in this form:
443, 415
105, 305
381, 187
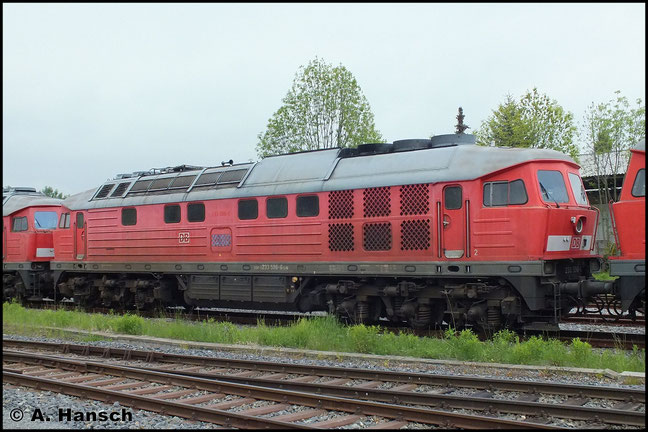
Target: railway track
184, 396
540, 403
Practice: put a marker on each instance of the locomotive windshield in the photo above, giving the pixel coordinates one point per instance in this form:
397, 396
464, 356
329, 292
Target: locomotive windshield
639, 186
552, 186
45, 220
577, 189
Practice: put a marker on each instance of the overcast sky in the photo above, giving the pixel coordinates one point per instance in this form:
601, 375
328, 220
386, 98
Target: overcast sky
93, 90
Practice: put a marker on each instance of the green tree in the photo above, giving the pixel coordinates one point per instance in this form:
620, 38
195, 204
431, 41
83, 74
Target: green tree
53, 193
608, 131
325, 108
533, 121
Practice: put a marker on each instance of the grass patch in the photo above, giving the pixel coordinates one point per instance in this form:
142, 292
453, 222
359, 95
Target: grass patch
327, 334
604, 276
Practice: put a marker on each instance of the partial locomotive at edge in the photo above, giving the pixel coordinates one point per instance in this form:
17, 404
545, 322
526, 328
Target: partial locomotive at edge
418, 231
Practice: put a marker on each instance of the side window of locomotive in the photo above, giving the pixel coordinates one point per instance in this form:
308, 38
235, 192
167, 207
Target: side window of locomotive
639, 186
505, 193
64, 222
276, 208
453, 197
495, 194
577, 189
79, 220
517, 192
196, 212
172, 213
19, 224
248, 209
45, 220
552, 186
129, 216
307, 206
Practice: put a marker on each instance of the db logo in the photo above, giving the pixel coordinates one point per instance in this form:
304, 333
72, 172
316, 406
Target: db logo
183, 237
576, 242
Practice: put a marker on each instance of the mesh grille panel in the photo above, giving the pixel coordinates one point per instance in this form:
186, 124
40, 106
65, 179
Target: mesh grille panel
183, 181
377, 236
141, 185
341, 237
415, 234
105, 189
119, 190
415, 199
377, 202
341, 204
208, 178
232, 176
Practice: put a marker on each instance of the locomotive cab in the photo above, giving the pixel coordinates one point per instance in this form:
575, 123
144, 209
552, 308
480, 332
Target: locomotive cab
28, 221
629, 218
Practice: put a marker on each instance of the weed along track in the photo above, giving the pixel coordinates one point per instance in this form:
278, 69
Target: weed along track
270, 387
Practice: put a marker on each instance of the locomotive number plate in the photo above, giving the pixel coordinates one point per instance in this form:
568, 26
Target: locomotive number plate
183, 237
576, 242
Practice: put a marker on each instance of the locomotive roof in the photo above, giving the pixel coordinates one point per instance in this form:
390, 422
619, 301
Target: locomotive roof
323, 170
641, 145
14, 202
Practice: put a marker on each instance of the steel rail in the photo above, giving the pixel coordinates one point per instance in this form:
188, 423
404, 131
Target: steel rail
427, 416
443, 401
575, 390
147, 403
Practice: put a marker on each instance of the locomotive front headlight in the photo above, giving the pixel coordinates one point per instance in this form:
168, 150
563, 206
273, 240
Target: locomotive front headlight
578, 223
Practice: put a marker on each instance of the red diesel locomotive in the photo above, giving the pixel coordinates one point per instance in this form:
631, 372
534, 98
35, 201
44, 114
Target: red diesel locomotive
418, 230
28, 220
629, 216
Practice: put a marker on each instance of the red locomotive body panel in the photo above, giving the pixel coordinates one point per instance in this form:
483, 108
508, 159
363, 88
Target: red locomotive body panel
630, 210
629, 216
382, 228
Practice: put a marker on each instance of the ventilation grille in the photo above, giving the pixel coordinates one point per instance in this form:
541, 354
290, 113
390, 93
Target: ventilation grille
232, 176
208, 178
341, 237
341, 204
377, 202
377, 236
415, 234
120, 189
415, 199
105, 189
141, 185
183, 181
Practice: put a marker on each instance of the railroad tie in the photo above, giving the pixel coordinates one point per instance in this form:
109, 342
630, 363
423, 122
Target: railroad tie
82, 378
244, 374
369, 385
274, 376
204, 398
395, 424
265, 409
104, 382
173, 395
231, 404
149, 390
300, 415
304, 379
337, 381
404, 388
126, 385
336, 422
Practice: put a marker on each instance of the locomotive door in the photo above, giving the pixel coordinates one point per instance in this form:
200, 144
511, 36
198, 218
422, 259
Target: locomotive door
79, 236
453, 222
